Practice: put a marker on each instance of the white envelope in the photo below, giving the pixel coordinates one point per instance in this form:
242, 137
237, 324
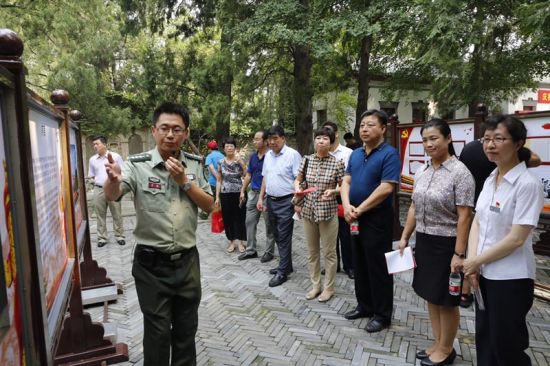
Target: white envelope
399, 263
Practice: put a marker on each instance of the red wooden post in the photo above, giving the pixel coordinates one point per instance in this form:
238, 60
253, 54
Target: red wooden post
394, 122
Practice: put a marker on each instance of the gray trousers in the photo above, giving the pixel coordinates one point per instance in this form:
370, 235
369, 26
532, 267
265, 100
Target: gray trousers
280, 215
100, 207
252, 220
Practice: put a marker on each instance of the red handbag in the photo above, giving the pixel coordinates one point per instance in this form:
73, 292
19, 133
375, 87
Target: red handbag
217, 222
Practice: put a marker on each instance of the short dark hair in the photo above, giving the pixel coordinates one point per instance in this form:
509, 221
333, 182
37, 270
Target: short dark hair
229, 140
101, 138
381, 115
348, 135
330, 124
171, 108
276, 130
326, 131
443, 127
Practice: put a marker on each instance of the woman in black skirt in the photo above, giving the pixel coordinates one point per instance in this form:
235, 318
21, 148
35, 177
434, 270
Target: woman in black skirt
231, 169
440, 211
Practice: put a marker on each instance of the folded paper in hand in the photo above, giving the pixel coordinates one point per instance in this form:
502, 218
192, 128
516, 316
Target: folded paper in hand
399, 263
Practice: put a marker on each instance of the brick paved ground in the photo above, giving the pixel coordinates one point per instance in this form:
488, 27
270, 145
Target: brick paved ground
244, 322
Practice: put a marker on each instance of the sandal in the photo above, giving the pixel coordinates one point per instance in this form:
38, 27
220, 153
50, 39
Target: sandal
242, 248
230, 248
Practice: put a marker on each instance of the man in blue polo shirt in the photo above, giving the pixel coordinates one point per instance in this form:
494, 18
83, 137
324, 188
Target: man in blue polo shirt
254, 178
372, 174
280, 170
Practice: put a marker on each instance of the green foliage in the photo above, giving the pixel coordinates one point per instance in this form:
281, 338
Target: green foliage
476, 51
73, 46
258, 62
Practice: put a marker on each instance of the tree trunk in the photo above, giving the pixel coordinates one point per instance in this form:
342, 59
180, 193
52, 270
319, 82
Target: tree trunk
223, 119
362, 82
303, 94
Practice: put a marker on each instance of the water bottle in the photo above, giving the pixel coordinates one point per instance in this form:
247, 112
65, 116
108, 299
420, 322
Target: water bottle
454, 284
354, 227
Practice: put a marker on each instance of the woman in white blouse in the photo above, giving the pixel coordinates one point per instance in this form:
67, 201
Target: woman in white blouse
500, 260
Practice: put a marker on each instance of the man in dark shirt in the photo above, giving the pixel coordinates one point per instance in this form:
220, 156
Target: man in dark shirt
367, 189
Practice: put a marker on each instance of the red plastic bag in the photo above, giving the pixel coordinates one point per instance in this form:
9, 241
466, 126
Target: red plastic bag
340, 211
217, 222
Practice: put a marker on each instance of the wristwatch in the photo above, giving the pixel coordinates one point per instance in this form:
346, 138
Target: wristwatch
460, 255
186, 186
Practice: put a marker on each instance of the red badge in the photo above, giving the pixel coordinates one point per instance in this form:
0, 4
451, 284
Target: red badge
154, 185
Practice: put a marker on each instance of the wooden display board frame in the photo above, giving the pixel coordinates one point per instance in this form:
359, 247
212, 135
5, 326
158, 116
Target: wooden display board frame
49, 335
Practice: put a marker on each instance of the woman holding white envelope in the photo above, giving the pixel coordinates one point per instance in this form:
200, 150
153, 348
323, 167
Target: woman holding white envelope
320, 174
440, 211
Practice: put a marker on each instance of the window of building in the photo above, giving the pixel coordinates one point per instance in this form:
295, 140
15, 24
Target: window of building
419, 112
448, 115
321, 116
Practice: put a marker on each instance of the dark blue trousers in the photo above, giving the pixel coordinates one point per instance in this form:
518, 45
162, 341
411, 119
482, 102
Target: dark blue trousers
280, 214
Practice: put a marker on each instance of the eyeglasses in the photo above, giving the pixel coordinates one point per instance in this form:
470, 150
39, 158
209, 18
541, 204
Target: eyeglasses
176, 131
497, 140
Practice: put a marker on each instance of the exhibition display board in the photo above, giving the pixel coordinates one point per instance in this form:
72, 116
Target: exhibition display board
413, 155
43, 236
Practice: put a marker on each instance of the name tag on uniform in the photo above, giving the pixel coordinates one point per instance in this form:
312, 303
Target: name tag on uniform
154, 183
495, 208
191, 176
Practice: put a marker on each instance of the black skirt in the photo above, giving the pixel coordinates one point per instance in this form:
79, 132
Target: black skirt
433, 255
234, 216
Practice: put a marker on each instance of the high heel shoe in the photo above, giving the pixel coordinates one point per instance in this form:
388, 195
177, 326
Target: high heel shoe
447, 361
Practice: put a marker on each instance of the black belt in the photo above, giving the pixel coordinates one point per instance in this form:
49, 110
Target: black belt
280, 198
165, 257
255, 190
98, 186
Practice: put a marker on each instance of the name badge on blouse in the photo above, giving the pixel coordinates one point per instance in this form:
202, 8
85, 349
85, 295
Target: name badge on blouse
495, 208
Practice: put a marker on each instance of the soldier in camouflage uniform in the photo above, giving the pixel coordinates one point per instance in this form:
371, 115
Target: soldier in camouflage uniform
168, 185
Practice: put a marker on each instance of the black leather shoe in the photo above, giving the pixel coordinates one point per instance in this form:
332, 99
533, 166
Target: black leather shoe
247, 256
421, 354
273, 271
356, 314
101, 244
350, 274
323, 272
277, 280
447, 361
266, 257
376, 325
121, 242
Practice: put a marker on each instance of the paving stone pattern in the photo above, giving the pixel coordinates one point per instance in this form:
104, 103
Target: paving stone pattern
244, 322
